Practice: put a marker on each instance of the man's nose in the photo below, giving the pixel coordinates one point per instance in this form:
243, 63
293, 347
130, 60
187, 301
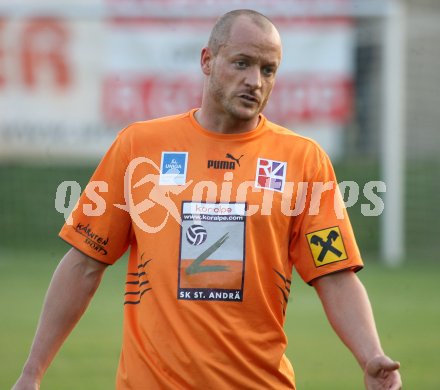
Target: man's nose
253, 77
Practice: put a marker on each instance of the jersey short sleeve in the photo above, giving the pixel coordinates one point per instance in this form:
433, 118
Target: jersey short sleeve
96, 226
323, 241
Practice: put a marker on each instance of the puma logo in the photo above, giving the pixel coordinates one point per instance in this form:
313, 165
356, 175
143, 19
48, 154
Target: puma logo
237, 160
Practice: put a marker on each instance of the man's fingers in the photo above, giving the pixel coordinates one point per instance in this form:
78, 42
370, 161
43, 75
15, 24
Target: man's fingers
381, 363
389, 364
393, 365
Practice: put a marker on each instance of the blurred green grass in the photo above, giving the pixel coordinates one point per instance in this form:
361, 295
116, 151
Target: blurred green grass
405, 301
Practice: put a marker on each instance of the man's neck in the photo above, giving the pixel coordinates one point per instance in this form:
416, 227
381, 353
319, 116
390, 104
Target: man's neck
218, 124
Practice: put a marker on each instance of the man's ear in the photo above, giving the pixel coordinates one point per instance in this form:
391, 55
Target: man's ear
206, 59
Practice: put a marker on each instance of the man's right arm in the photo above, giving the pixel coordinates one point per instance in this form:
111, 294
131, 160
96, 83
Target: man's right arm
72, 287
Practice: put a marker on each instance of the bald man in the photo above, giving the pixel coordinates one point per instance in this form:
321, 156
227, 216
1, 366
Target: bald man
205, 202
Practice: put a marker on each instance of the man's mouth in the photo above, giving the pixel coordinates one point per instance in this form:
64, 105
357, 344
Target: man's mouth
249, 98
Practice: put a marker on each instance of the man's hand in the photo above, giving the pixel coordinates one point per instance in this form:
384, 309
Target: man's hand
382, 373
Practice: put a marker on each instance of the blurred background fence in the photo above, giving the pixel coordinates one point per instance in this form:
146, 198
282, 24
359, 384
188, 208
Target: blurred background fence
73, 73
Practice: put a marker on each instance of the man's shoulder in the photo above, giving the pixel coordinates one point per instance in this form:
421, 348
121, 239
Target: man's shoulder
151, 125
298, 149
291, 138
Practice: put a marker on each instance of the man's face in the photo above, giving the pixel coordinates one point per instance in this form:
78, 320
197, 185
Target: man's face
243, 72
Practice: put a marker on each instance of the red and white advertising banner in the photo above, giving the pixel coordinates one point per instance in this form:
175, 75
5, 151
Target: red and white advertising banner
67, 85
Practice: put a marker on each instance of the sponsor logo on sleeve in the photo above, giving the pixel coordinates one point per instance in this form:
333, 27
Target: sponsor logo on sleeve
95, 241
271, 174
173, 168
327, 246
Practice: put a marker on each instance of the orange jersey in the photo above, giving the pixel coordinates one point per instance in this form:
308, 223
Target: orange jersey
214, 224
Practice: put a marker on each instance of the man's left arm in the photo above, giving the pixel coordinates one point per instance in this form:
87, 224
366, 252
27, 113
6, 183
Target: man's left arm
348, 310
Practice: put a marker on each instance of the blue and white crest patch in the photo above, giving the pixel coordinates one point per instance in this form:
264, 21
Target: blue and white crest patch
173, 168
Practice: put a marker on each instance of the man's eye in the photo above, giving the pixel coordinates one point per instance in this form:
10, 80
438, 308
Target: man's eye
241, 64
268, 71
